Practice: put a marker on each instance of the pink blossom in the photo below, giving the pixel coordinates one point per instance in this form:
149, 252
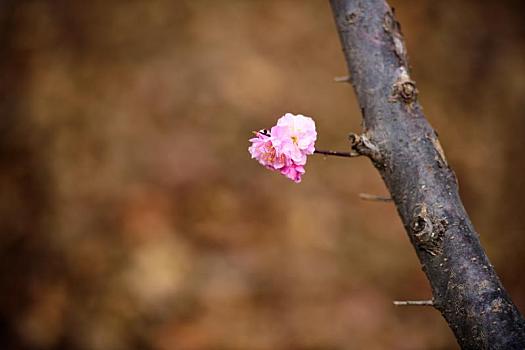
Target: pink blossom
264, 151
293, 172
295, 134
285, 147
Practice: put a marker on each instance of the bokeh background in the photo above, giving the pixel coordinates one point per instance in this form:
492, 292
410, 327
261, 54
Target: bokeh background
133, 218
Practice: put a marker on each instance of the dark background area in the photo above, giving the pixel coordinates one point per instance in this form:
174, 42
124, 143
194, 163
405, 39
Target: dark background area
132, 217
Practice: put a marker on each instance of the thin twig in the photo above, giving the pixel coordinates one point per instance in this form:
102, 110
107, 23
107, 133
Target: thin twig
337, 153
373, 197
343, 79
414, 303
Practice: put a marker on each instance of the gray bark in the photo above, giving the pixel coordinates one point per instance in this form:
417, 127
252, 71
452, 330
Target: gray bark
405, 150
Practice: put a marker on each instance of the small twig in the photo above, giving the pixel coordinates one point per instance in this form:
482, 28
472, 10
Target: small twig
414, 303
343, 79
373, 197
337, 153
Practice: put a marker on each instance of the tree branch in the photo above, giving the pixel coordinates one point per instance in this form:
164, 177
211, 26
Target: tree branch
407, 153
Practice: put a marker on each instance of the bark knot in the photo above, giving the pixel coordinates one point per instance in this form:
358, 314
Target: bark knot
428, 230
350, 17
404, 89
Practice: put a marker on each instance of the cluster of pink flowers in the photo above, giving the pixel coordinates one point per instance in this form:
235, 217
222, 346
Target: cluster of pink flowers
285, 146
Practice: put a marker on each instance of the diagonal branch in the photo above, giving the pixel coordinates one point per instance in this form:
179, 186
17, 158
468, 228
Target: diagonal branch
465, 287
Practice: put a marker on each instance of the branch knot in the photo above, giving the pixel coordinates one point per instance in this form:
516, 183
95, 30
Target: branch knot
362, 145
404, 89
428, 230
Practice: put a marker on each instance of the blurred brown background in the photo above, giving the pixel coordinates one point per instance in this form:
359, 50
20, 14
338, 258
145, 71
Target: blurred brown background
133, 218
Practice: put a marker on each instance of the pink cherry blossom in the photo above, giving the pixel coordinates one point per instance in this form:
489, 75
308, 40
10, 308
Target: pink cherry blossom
286, 146
264, 151
293, 172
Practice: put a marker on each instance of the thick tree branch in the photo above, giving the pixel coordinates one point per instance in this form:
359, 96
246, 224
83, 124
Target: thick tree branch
407, 153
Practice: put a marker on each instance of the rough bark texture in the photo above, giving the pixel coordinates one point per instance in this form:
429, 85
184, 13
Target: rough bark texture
406, 151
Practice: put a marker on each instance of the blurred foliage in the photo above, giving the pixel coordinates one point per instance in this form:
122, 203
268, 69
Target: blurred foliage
133, 218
